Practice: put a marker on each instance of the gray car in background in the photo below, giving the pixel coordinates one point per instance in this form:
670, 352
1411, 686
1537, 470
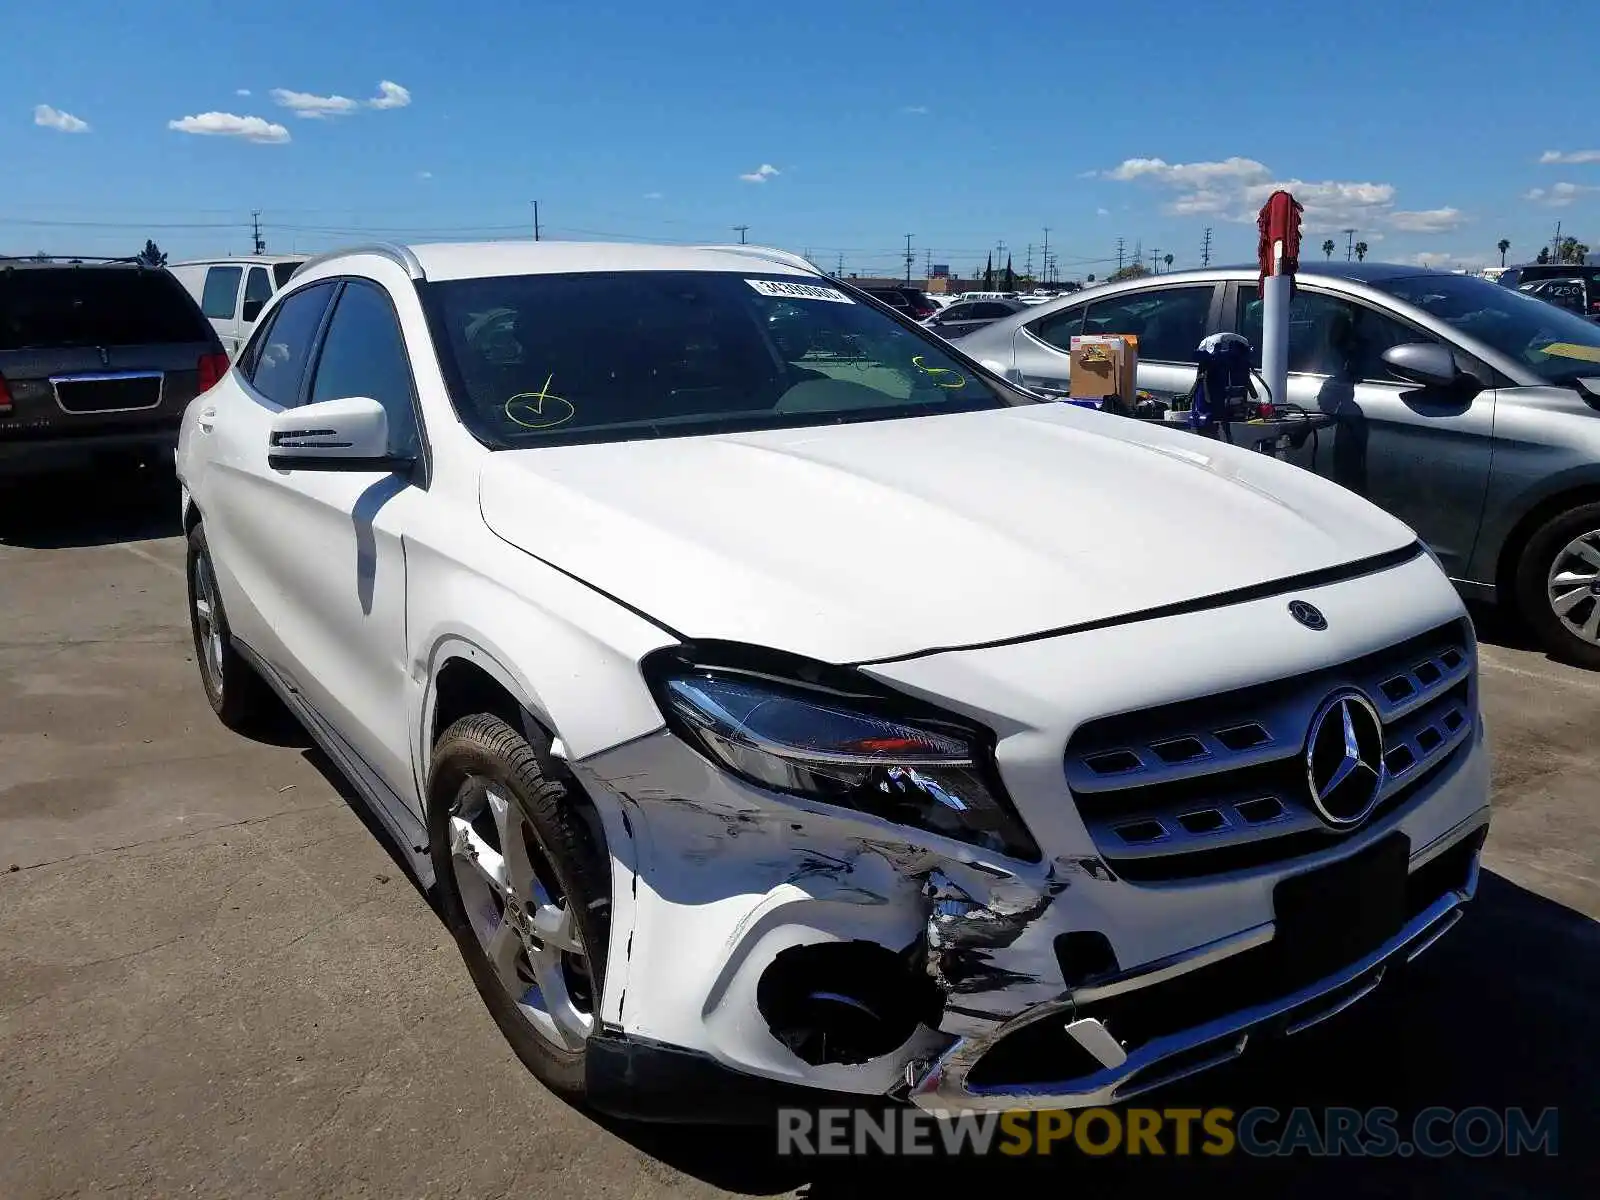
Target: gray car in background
1469, 410
967, 316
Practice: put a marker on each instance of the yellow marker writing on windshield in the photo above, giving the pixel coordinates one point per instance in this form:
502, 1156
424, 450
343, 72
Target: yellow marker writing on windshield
539, 410
940, 374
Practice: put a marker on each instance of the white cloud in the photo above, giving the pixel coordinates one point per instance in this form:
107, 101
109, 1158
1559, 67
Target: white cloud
1102, 212
1570, 156
1193, 175
761, 174
1431, 258
916, 110
242, 92
220, 124
54, 118
1559, 195
390, 95
424, 174
305, 104
1432, 220
1234, 189
652, 195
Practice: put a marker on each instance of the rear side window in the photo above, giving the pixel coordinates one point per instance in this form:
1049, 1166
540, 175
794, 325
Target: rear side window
282, 271
47, 307
257, 288
221, 294
279, 356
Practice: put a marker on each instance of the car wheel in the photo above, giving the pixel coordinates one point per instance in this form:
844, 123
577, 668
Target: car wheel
525, 891
1558, 586
237, 694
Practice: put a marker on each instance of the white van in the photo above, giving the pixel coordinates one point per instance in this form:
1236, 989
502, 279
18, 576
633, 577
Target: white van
232, 291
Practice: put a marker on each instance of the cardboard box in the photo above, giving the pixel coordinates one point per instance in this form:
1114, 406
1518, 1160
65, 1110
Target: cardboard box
1103, 366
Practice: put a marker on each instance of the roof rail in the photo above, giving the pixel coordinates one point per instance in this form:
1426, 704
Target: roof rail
73, 258
770, 254
401, 256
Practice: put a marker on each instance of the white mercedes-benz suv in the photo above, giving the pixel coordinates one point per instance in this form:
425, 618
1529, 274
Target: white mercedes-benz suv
776, 697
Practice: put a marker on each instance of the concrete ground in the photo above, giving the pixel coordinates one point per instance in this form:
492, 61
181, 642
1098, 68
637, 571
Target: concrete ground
214, 979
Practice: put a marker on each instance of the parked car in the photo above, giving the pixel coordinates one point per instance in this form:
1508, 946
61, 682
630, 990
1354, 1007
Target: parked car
98, 360
615, 607
1468, 410
965, 316
913, 302
1574, 293
233, 291
1516, 277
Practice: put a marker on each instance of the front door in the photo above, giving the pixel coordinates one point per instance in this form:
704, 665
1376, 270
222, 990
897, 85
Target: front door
339, 553
1422, 454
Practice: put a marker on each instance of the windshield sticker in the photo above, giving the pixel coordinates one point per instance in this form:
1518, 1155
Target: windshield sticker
798, 291
1569, 350
539, 410
943, 376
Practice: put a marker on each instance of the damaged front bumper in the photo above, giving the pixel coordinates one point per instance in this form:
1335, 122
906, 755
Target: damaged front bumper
1120, 1074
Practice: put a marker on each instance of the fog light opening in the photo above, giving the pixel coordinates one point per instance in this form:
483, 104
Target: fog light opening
843, 1002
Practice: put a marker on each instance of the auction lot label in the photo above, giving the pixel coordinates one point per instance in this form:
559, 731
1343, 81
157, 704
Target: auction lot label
798, 291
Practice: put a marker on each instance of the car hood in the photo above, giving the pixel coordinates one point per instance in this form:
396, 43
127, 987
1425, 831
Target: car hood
870, 540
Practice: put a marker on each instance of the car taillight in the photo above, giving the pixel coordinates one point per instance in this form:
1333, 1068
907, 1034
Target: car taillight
212, 368
5, 396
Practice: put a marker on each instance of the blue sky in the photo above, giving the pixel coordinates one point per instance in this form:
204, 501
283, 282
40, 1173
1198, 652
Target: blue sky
831, 127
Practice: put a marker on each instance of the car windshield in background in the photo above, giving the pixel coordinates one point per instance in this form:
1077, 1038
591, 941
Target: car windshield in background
47, 307
541, 359
282, 271
1555, 344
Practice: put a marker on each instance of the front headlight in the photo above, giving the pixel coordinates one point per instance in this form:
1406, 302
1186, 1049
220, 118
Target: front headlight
854, 750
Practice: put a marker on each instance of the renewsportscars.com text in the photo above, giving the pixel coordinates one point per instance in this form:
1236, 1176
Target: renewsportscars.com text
1151, 1132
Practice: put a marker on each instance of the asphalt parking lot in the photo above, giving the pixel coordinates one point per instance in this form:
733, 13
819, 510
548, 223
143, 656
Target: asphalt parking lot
214, 979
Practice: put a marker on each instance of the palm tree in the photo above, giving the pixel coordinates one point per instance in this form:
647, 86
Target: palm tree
1327, 248
1361, 252
1167, 258
1503, 245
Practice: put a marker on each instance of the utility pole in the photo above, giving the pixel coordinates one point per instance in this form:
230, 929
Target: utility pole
1155, 262
1027, 263
255, 231
839, 274
1120, 253
927, 264
910, 258
1555, 246
740, 230
1205, 249
1349, 244
1046, 253
535, 204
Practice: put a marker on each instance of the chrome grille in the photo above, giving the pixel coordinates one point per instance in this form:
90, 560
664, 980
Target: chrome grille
1220, 782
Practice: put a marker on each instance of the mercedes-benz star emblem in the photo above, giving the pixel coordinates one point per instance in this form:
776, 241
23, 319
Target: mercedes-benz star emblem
1344, 759
1308, 615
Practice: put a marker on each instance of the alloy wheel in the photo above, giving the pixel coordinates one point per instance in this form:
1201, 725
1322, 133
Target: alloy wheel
1573, 587
520, 916
208, 622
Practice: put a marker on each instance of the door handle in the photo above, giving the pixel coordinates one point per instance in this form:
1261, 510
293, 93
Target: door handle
208, 418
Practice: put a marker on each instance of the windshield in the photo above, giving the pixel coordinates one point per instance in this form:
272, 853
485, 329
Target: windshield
1556, 345
49, 307
543, 359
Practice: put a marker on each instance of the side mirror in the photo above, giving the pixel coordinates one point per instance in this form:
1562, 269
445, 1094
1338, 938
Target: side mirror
349, 434
251, 310
1427, 363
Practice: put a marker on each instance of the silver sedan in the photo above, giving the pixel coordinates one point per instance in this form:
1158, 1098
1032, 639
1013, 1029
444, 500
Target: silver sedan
1468, 410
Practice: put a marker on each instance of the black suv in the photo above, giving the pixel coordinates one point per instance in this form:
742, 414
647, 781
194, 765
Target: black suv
913, 302
98, 360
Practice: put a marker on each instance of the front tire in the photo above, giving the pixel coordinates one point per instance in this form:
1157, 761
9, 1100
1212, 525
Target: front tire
525, 892
1558, 586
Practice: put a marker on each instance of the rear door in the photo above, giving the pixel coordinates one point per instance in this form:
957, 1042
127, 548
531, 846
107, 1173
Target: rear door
1170, 323
219, 301
97, 350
